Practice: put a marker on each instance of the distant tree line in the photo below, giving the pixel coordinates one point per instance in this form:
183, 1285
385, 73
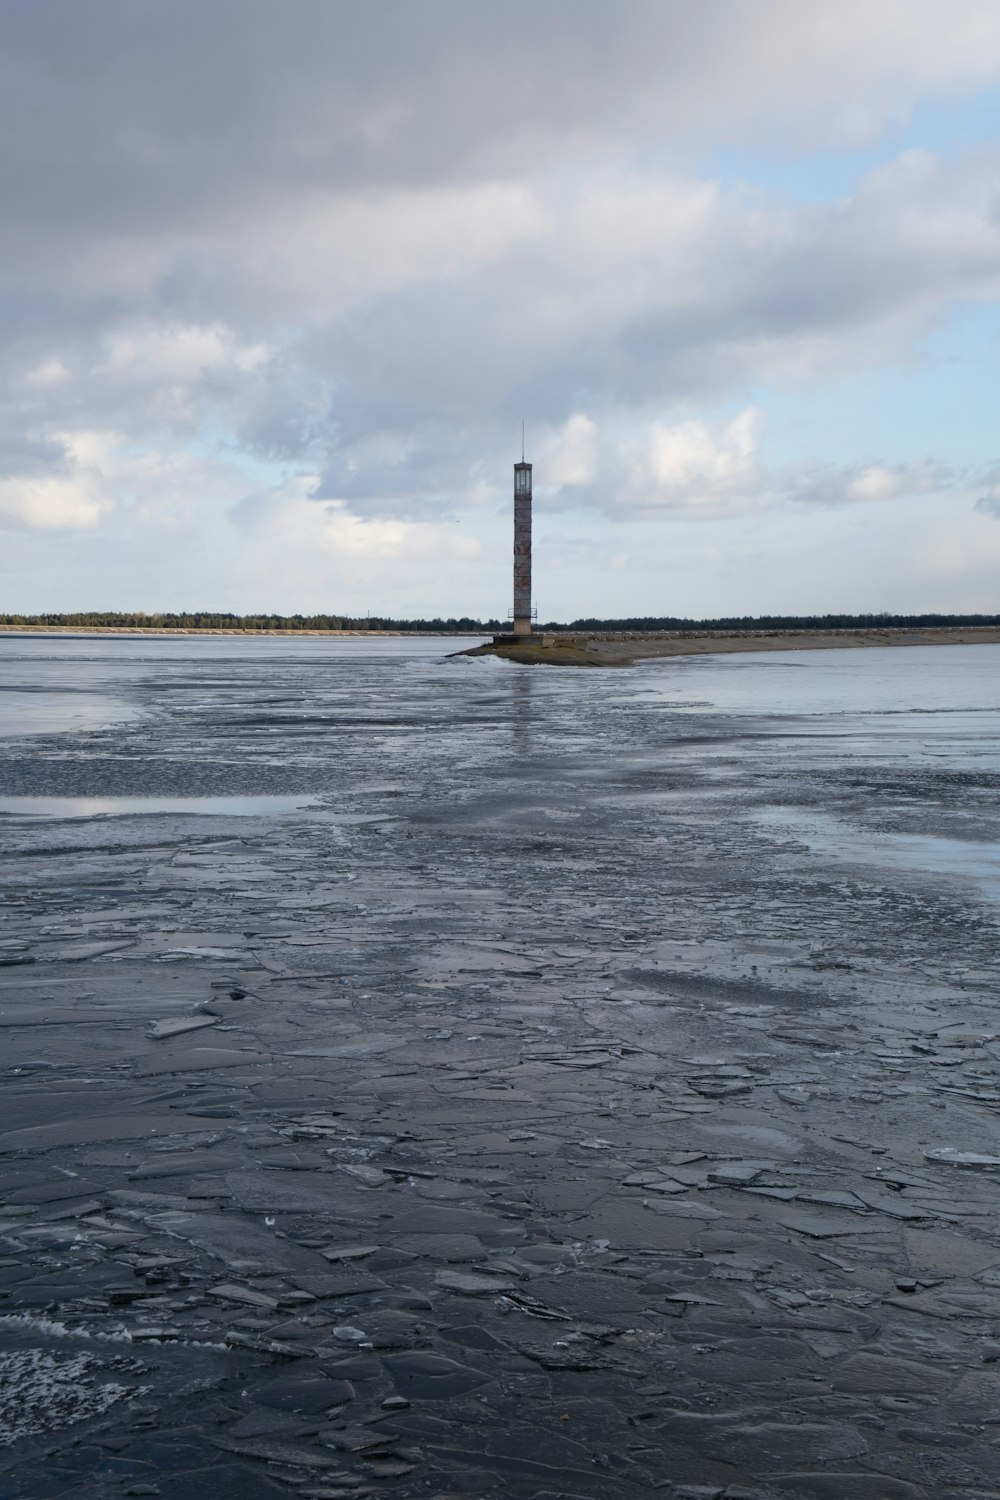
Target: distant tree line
784, 622
223, 620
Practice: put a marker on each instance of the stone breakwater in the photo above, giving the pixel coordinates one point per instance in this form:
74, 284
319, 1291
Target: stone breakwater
622, 648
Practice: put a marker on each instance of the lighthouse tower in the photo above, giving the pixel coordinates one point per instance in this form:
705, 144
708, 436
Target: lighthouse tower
522, 548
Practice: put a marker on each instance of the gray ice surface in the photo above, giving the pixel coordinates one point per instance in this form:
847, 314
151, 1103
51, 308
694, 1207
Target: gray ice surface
564, 1084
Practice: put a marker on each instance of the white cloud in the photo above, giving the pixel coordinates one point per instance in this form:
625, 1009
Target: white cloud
51, 502
569, 455
696, 471
694, 466
176, 352
833, 485
51, 372
71, 494
687, 469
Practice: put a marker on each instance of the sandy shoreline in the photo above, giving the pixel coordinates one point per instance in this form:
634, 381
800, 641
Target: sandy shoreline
621, 649
141, 630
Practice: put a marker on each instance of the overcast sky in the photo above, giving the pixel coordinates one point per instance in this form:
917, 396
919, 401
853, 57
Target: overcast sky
279, 280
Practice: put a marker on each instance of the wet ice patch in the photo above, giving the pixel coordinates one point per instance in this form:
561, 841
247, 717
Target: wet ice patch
833, 838
60, 710
42, 1392
116, 807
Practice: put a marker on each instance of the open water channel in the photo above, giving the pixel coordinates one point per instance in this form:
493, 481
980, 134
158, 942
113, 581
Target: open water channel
437, 1077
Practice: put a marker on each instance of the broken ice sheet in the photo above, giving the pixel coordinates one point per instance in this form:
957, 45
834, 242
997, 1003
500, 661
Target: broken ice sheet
951, 1157
473, 1283
686, 1208
176, 1027
464, 1101
244, 1295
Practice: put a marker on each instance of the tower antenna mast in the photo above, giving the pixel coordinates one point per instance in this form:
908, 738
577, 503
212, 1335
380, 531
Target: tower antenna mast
522, 440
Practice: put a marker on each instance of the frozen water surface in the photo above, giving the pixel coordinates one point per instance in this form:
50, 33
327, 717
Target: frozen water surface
54, 710
922, 854
452, 1078
908, 680
111, 807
